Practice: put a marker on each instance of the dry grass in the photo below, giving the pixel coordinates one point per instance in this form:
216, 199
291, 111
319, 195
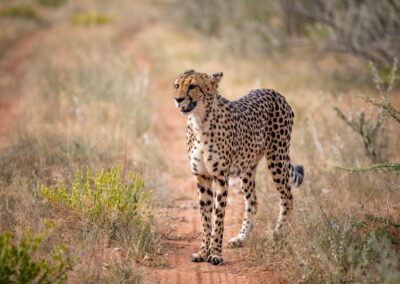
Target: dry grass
81, 103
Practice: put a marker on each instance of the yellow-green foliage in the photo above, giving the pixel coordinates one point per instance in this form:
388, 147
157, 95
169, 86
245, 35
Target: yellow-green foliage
91, 18
51, 3
387, 107
121, 209
24, 11
104, 195
17, 264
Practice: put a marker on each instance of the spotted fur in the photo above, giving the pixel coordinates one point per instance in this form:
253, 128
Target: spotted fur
228, 139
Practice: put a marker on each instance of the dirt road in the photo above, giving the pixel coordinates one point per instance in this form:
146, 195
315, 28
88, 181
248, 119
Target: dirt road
184, 238
12, 65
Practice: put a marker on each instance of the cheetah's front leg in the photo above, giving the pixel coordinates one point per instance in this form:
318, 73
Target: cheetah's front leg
206, 201
248, 183
217, 236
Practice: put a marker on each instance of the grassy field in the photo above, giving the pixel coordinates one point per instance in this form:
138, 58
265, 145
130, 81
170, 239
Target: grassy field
84, 98
81, 103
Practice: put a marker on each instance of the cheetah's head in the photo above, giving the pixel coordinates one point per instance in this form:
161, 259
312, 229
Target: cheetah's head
194, 90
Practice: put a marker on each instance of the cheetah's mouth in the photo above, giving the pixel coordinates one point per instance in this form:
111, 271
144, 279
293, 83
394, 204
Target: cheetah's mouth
189, 108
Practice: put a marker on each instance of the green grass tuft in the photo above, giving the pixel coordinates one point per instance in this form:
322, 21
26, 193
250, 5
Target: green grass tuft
22, 11
102, 195
91, 18
119, 207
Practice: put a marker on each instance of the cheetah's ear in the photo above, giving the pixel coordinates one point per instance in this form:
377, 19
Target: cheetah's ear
216, 78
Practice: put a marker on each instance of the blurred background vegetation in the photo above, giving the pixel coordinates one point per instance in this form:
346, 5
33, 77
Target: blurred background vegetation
367, 28
81, 85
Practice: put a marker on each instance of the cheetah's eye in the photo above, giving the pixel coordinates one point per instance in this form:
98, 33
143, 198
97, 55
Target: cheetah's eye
176, 86
191, 86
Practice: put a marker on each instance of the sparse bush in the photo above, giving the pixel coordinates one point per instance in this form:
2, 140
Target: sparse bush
389, 167
343, 249
370, 132
366, 28
121, 208
331, 247
17, 264
369, 129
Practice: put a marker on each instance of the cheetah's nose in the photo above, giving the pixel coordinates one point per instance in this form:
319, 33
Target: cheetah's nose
179, 100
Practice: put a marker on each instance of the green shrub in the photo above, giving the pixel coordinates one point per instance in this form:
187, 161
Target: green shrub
23, 11
121, 208
18, 266
107, 197
91, 18
371, 131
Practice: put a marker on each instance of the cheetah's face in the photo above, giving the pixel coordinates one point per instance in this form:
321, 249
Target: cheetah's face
193, 89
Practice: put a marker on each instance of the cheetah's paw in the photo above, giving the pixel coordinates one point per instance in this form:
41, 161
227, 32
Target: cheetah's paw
215, 259
280, 235
198, 257
236, 242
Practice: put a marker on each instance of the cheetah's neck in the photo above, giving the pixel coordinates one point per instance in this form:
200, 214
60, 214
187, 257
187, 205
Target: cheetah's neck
201, 116
198, 121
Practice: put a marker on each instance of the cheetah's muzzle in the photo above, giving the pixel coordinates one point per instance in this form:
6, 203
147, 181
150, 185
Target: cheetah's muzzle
189, 108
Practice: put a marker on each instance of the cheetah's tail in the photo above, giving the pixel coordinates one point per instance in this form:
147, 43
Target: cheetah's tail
297, 175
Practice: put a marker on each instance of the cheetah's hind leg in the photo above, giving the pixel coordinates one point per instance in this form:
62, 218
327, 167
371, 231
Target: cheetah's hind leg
283, 185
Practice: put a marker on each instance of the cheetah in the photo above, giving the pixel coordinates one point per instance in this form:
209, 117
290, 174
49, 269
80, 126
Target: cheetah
227, 139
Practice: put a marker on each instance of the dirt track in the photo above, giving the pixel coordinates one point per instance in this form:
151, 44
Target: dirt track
184, 236
12, 65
